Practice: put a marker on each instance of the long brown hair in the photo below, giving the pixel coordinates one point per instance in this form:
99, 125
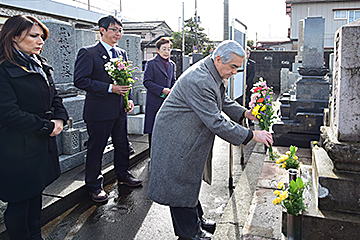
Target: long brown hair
14, 27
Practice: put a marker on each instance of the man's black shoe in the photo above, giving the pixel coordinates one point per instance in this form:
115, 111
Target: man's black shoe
130, 181
99, 195
202, 235
208, 225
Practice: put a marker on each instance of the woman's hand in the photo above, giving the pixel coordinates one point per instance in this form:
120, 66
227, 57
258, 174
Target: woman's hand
59, 124
166, 91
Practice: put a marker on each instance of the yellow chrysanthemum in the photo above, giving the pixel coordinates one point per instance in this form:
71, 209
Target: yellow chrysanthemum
284, 165
288, 153
278, 200
277, 193
283, 196
263, 108
296, 157
282, 158
261, 120
274, 201
278, 161
255, 111
280, 185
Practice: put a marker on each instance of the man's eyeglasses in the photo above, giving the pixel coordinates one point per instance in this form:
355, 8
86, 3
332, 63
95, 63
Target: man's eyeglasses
116, 30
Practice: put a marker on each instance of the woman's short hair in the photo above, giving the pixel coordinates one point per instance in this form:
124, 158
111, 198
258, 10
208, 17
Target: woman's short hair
226, 49
14, 27
162, 41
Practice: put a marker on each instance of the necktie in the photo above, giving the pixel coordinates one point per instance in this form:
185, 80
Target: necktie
114, 55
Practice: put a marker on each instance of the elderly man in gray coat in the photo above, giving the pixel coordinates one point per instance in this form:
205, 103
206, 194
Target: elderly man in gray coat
184, 132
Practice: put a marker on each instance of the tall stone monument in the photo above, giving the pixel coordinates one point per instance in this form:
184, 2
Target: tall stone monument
334, 212
302, 108
60, 49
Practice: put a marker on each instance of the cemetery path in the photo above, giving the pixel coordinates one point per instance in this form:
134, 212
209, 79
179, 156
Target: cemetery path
129, 214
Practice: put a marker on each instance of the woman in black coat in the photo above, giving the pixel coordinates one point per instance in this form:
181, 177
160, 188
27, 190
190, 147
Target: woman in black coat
159, 77
31, 115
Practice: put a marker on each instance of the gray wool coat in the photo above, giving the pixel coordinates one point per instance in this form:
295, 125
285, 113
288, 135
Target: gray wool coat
184, 132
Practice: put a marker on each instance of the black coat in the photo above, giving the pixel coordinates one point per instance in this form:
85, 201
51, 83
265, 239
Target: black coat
28, 155
156, 78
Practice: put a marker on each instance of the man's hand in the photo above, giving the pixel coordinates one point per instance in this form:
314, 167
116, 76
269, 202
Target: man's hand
249, 115
59, 124
121, 90
131, 106
263, 137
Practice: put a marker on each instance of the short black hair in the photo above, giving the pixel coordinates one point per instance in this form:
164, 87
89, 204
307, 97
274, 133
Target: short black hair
106, 21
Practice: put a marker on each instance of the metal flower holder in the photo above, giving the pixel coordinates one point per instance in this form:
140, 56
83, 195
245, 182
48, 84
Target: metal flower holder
293, 222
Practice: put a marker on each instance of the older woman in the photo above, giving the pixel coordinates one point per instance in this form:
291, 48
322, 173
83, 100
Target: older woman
159, 77
31, 115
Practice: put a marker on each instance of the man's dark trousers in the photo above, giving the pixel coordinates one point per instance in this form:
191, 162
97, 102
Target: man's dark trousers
99, 132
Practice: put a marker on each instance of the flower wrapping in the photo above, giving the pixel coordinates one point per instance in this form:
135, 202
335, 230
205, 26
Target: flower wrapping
262, 107
121, 73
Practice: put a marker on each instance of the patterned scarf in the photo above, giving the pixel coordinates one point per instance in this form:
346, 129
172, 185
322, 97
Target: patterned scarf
32, 63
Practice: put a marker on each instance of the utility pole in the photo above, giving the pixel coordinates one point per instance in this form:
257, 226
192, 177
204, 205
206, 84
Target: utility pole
226, 19
183, 31
196, 27
88, 4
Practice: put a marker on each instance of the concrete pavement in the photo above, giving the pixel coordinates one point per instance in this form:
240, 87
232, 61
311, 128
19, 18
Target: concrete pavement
247, 213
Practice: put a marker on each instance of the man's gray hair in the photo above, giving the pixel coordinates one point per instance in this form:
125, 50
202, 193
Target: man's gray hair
226, 49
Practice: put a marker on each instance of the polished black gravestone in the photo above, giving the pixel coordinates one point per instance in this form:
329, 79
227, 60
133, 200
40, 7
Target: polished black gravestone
302, 108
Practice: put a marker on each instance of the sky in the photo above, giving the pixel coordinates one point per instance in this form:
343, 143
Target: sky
265, 19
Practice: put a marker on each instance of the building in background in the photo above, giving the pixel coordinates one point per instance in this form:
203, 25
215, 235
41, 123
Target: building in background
150, 32
336, 13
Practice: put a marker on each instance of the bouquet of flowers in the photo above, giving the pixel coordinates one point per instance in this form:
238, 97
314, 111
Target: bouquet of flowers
291, 199
290, 160
121, 73
262, 108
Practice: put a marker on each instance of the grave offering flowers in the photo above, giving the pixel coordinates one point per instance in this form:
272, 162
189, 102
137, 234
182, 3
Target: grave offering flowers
290, 160
262, 107
121, 73
291, 198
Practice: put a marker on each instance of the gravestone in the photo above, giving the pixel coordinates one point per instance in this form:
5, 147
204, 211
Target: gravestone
287, 77
131, 44
84, 37
60, 49
302, 108
336, 163
300, 41
60, 52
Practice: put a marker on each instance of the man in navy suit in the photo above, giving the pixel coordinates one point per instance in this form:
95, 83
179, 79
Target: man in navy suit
250, 74
104, 109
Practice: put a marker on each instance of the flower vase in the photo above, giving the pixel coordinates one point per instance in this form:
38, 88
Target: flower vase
293, 227
265, 148
293, 174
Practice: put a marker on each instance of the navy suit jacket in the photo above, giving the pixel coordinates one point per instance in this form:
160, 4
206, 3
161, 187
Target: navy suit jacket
250, 73
156, 78
90, 75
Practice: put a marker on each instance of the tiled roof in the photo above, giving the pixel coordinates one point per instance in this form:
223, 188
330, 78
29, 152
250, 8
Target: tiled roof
143, 25
9, 12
